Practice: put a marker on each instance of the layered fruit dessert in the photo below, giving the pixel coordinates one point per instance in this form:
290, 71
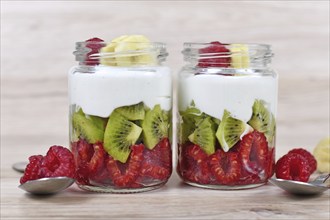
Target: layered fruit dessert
226, 121
120, 114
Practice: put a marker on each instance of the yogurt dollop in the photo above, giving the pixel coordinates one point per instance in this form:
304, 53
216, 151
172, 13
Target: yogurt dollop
213, 94
108, 88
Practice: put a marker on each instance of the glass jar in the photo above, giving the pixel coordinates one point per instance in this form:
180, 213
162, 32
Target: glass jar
227, 100
120, 116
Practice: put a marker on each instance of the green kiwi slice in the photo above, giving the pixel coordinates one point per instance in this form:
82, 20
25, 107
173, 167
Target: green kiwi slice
155, 126
204, 135
263, 120
230, 131
188, 123
89, 127
120, 134
132, 112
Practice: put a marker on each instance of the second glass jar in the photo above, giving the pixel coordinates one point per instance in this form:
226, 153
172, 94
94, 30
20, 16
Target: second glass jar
227, 100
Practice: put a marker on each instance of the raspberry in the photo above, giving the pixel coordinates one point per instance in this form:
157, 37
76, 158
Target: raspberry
166, 153
124, 178
248, 178
83, 152
90, 161
293, 166
310, 158
59, 161
97, 161
194, 165
157, 163
253, 150
32, 169
82, 174
216, 49
225, 167
95, 44
271, 163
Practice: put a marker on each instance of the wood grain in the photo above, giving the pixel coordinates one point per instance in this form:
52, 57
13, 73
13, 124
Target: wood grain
37, 40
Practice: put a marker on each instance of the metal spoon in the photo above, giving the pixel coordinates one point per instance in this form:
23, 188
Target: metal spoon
43, 186
301, 188
47, 185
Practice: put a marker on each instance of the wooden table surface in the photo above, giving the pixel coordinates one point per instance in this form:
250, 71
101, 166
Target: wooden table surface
37, 40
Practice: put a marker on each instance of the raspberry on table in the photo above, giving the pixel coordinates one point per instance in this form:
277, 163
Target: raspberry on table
293, 166
58, 161
32, 169
310, 158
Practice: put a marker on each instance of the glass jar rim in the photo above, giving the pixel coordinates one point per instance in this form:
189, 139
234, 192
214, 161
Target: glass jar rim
222, 54
128, 49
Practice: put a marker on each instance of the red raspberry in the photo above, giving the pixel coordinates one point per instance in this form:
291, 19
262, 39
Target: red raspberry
253, 150
83, 152
32, 169
97, 161
248, 178
271, 163
293, 167
90, 161
157, 163
127, 177
310, 158
82, 174
216, 49
193, 165
95, 44
59, 161
226, 167
166, 153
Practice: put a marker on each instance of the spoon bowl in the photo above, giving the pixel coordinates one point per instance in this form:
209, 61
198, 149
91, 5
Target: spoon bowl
301, 188
45, 186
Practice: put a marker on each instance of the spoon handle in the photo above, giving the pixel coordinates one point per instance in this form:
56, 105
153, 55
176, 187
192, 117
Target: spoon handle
320, 180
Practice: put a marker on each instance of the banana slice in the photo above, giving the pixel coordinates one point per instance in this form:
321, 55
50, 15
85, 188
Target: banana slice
110, 48
124, 47
240, 56
322, 155
133, 43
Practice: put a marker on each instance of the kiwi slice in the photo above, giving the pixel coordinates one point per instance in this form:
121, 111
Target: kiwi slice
188, 123
263, 120
132, 112
120, 134
204, 135
155, 126
230, 131
90, 127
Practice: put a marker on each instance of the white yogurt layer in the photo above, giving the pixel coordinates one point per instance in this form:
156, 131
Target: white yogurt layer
213, 94
108, 88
